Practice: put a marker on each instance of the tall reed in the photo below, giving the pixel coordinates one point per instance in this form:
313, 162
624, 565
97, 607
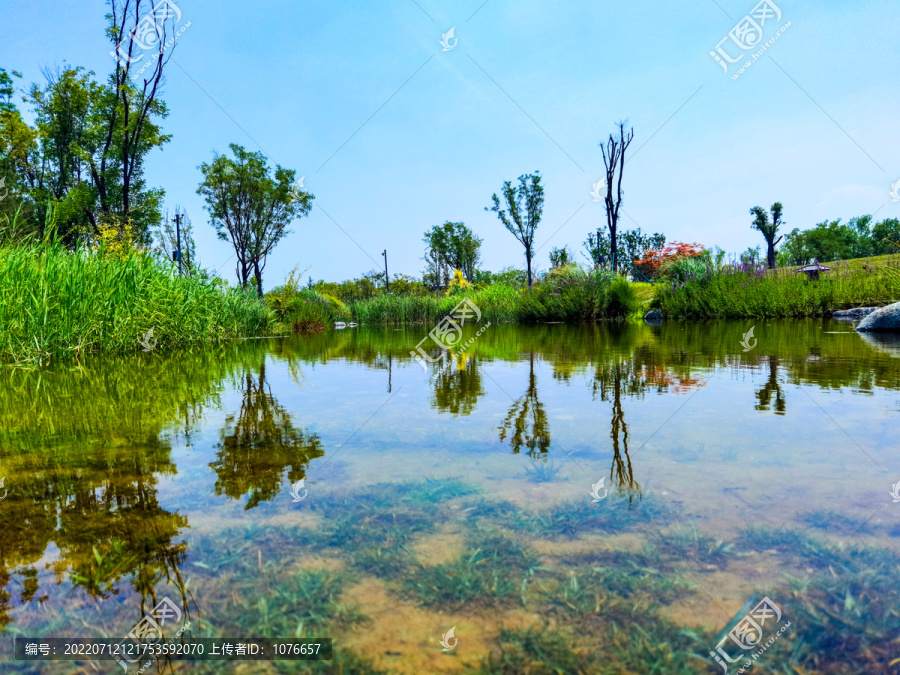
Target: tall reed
54, 302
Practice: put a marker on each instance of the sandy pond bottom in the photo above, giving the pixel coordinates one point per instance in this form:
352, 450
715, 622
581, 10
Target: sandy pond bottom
564, 500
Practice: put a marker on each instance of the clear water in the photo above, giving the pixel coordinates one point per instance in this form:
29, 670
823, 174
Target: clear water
461, 498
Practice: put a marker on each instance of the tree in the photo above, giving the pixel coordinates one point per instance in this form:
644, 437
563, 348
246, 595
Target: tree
633, 246
614, 161
133, 105
768, 228
524, 206
250, 207
560, 256
451, 246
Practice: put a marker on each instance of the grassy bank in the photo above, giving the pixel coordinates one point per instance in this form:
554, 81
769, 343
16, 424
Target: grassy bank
56, 303
567, 294
732, 292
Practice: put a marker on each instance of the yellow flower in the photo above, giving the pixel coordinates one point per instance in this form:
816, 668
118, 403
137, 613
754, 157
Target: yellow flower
458, 283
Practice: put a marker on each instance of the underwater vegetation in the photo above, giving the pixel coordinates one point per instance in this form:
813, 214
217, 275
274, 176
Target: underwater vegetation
536, 652
491, 570
541, 471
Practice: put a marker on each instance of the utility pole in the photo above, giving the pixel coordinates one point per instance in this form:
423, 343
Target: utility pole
177, 220
387, 280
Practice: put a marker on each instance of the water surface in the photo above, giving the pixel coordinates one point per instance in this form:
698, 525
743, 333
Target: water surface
599, 499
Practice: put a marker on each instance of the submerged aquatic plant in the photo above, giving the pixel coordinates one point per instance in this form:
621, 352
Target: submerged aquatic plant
536, 652
541, 471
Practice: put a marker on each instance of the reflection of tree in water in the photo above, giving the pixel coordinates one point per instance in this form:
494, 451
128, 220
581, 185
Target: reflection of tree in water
612, 382
83, 450
621, 471
527, 420
99, 506
770, 388
458, 385
257, 446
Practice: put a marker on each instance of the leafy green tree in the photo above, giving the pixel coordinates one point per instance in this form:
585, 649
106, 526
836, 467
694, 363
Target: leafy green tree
560, 256
632, 245
886, 237
769, 228
251, 207
81, 156
18, 149
834, 240
521, 213
451, 246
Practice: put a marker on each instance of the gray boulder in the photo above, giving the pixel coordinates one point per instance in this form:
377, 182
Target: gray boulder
885, 319
854, 314
653, 315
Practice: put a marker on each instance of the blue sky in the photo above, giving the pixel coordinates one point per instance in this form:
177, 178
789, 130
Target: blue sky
395, 135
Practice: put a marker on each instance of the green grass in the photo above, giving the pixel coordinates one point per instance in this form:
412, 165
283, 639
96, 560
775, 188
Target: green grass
742, 291
56, 303
567, 294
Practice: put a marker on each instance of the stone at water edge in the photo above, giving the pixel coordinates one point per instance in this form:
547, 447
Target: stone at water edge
856, 313
885, 319
653, 315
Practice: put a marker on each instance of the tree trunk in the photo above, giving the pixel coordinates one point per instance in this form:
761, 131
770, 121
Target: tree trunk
771, 254
258, 276
613, 248
528, 262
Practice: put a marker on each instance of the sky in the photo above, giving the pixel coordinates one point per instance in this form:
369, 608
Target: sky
394, 133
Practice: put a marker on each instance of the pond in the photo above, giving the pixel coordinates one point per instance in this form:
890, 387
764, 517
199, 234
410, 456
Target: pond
598, 499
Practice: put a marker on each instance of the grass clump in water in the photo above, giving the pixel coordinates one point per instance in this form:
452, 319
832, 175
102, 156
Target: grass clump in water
613, 514
493, 569
536, 652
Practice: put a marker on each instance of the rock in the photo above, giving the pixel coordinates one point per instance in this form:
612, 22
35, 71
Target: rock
884, 342
653, 315
886, 319
854, 314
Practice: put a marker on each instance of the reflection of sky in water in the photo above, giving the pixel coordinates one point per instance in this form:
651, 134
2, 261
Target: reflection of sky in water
799, 434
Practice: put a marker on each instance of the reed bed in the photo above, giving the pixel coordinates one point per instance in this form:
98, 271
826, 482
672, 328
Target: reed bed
56, 303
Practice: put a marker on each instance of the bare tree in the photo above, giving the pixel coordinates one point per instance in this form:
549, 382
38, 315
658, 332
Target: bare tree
614, 160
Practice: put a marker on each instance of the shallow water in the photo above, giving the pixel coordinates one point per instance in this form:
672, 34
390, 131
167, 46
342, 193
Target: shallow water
459, 496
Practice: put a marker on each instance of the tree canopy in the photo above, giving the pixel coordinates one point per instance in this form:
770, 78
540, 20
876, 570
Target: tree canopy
251, 207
